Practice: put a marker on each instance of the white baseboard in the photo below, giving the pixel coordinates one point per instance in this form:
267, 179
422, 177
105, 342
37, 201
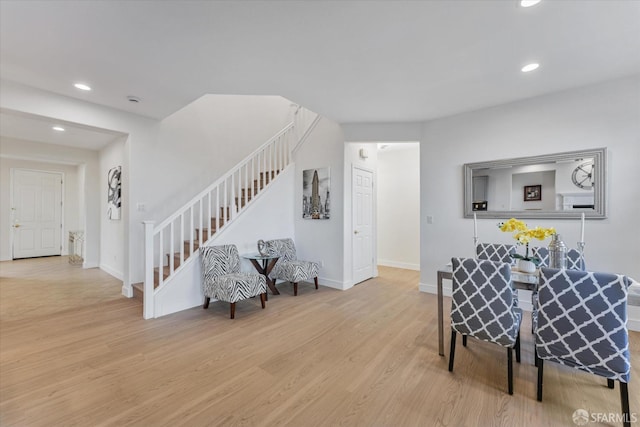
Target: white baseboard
90, 265
433, 289
330, 283
127, 291
112, 271
399, 264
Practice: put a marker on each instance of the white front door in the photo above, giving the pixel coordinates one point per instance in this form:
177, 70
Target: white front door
362, 211
37, 213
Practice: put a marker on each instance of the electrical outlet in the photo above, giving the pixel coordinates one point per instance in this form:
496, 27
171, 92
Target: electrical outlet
321, 264
429, 219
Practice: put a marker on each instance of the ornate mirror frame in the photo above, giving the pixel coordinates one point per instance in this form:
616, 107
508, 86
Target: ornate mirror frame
599, 210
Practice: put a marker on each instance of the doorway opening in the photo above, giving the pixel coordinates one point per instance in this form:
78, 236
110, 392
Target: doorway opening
384, 193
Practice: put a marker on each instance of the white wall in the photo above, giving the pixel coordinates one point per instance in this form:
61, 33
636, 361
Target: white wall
398, 206
112, 240
80, 197
604, 115
322, 240
201, 142
381, 132
70, 215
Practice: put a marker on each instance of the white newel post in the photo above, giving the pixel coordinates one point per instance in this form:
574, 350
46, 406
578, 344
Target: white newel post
147, 311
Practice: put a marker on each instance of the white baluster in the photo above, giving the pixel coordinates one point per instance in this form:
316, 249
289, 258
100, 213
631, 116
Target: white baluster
182, 238
160, 260
246, 183
210, 226
191, 230
171, 243
218, 206
224, 208
253, 176
200, 228
147, 311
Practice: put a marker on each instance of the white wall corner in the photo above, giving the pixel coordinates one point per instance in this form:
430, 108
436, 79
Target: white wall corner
112, 271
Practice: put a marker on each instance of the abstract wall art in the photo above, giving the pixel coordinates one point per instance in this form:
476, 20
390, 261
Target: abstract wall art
114, 184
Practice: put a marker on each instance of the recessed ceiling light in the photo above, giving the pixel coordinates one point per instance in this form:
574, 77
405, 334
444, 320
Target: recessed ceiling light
58, 128
530, 67
529, 3
82, 86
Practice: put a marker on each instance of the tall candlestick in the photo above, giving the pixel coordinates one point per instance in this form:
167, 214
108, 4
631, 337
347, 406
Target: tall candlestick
582, 229
475, 226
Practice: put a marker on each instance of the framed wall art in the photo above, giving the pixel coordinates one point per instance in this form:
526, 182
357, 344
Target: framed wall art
114, 185
532, 193
316, 200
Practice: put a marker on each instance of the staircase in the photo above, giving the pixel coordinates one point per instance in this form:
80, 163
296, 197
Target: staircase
173, 244
204, 234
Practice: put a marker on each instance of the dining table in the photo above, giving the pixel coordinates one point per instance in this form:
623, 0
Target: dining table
520, 279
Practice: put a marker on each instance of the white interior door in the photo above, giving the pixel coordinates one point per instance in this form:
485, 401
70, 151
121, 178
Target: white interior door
37, 213
362, 211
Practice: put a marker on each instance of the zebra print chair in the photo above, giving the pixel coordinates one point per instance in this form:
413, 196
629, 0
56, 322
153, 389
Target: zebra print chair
222, 279
497, 252
575, 261
483, 306
582, 323
288, 267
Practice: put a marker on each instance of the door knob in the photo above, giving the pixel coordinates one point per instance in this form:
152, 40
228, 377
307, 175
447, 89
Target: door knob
16, 225
356, 232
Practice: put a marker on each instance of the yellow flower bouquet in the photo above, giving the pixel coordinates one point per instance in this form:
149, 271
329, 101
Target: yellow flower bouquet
524, 235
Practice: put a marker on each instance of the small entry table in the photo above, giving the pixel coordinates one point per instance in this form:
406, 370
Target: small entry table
264, 264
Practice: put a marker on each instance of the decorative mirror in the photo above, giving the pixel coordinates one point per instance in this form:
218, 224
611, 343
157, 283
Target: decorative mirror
561, 185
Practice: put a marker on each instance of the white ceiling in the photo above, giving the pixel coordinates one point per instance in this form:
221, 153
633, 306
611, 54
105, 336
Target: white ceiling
352, 61
40, 129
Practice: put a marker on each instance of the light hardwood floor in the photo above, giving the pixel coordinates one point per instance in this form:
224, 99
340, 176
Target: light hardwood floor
73, 351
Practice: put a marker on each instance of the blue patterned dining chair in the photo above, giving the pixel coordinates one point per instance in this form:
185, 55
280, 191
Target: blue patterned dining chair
483, 307
582, 323
575, 261
223, 280
498, 252
289, 268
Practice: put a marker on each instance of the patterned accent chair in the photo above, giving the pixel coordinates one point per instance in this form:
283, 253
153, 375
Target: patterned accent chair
575, 261
498, 252
222, 279
582, 323
288, 267
483, 307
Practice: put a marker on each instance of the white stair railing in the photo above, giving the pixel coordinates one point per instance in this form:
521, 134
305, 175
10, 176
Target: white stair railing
175, 241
